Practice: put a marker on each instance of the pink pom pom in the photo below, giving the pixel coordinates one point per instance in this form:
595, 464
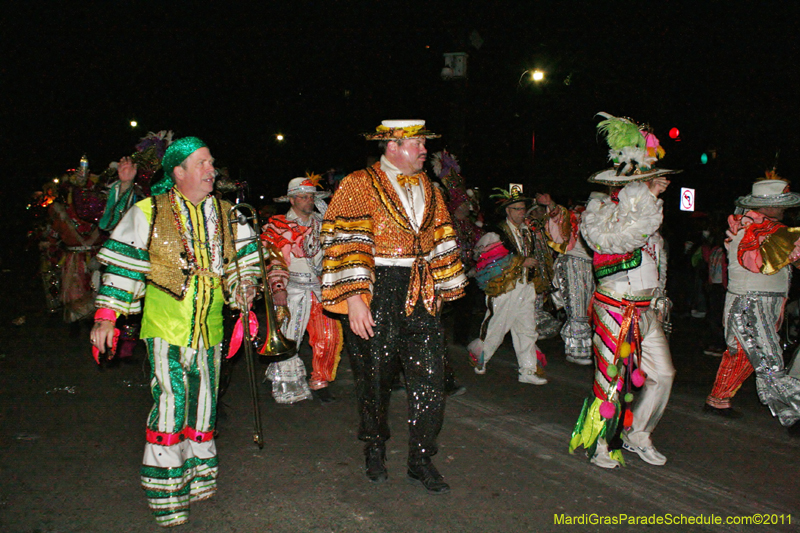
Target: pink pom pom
619, 385
607, 410
638, 378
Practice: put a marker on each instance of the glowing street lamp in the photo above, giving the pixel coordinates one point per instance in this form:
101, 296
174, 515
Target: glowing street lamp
537, 75
279, 137
134, 123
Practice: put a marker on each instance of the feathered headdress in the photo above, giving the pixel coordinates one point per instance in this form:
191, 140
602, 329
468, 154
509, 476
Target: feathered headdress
445, 166
505, 197
633, 149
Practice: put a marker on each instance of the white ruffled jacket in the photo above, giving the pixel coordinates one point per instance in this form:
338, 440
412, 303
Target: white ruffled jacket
611, 228
618, 228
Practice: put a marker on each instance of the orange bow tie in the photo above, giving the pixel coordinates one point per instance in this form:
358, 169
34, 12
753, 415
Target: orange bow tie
404, 180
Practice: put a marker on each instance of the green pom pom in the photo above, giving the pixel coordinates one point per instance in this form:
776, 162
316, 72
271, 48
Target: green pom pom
611, 371
629, 397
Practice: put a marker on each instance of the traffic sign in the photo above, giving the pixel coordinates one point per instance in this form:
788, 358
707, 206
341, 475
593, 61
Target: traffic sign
687, 199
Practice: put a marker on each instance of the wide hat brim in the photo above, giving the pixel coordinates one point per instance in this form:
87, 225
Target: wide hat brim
787, 199
505, 203
387, 136
609, 176
317, 195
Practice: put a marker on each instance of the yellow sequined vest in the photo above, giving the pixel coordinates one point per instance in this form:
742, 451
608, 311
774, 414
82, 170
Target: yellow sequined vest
170, 270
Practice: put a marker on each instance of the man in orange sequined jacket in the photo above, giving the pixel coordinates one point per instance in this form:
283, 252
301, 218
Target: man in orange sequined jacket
391, 259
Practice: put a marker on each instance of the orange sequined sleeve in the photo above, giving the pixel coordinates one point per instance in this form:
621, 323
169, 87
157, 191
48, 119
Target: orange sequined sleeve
445, 258
349, 244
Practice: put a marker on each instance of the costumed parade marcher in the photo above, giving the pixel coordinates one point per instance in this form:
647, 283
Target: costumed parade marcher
174, 254
461, 204
294, 280
74, 217
391, 259
573, 279
505, 272
44, 237
536, 219
133, 184
629, 306
760, 253
134, 173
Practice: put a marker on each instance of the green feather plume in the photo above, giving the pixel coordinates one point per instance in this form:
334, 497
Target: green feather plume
502, 194
620, 132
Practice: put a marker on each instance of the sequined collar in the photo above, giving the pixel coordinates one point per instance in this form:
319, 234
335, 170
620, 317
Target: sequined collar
390, 199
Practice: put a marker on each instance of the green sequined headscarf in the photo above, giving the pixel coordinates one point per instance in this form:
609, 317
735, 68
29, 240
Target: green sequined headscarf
177, 152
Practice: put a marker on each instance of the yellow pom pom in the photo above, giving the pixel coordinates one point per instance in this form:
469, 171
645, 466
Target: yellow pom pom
624, 350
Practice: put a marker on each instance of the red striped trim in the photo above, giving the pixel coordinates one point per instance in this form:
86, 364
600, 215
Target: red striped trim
600, 297
198, 436
171, 439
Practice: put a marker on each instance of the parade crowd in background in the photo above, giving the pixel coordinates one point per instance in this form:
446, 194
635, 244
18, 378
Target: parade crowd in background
401, 262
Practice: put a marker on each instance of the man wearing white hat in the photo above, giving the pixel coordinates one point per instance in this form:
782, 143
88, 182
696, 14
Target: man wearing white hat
294, 281
629, 261
391, 259
759, 254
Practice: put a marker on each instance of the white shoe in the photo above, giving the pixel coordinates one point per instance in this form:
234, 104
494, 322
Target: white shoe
480, 370
579, 360
648, 454
533, 379
604, 460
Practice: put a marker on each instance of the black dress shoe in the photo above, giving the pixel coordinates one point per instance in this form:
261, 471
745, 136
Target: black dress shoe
324, 395
376, 464
427, 476
725, 412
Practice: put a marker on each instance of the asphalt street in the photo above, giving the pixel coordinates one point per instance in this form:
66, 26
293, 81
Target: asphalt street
72, 439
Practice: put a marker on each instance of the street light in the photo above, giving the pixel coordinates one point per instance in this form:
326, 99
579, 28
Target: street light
536, 76
134, 123
279, 137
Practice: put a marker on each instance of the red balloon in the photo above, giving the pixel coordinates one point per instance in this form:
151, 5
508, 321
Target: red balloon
674, 133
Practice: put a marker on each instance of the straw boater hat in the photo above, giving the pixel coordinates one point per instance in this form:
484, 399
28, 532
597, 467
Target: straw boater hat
396, 130
304, 186
769, 193
634, 151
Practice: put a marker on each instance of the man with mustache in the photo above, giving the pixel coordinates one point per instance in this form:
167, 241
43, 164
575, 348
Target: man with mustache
175, 253
391, 259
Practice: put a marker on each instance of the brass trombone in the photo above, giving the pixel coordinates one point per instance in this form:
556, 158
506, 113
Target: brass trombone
275, 345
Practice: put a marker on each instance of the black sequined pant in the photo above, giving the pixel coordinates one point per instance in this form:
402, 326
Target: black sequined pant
414, 343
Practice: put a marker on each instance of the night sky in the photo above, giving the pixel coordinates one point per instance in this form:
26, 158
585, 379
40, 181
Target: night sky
724, 72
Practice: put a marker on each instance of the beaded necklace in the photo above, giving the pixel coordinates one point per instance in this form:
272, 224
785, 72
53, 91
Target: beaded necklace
188, 253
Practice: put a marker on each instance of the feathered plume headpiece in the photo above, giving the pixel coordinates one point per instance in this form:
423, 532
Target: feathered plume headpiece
633, 149
505, 197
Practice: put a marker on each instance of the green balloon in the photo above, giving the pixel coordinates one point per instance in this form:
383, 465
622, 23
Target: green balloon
629, 397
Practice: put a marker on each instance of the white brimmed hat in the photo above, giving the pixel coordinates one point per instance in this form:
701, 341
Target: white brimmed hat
396, 130
769, 193
304, 185
633, 149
